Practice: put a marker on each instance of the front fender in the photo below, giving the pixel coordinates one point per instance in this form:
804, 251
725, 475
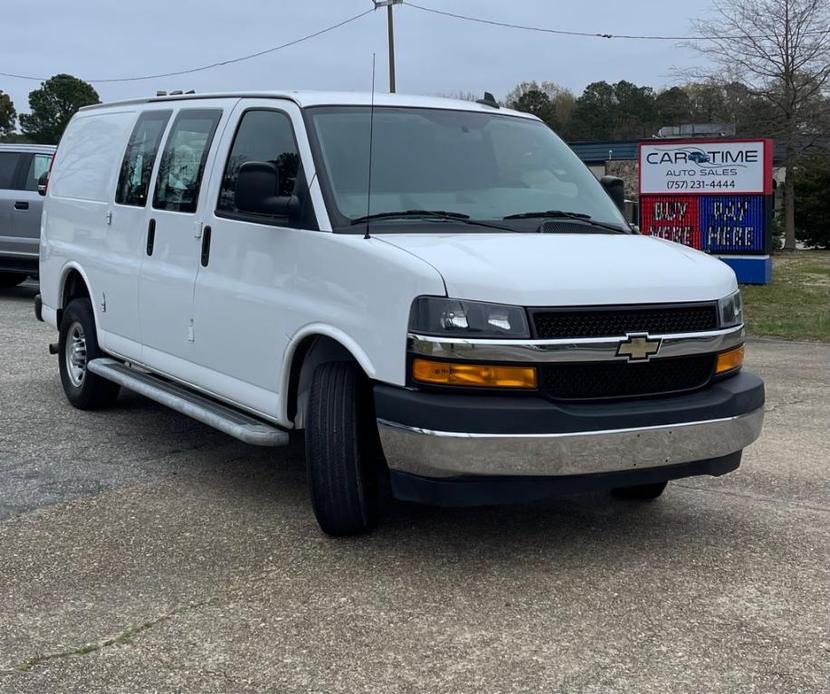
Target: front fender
346, 341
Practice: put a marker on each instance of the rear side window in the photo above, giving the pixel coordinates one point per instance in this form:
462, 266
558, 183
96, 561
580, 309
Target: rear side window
38, 165
86, 165
8, 167
137, 166
266, 136
183, 162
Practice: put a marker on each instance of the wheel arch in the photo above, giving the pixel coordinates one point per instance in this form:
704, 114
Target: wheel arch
310, 348
74, 284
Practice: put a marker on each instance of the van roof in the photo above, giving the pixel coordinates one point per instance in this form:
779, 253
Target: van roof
23, 147
312, 98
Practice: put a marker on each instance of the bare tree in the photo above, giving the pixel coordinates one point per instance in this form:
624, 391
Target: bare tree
780, 49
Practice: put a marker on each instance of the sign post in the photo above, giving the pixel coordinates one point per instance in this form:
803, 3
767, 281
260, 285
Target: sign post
713, 195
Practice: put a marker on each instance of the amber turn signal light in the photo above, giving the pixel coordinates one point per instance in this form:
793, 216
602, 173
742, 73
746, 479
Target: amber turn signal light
730, 361
473, 375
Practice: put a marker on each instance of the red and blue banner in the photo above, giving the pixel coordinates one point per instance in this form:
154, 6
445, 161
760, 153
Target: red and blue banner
672, 217
734, 224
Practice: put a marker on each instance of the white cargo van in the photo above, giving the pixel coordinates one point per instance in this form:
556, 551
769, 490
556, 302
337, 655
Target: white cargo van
431, 289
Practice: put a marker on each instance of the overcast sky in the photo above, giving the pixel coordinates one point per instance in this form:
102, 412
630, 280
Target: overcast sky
95, 39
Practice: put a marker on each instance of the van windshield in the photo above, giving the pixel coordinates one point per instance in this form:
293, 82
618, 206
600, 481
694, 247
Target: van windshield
463, 164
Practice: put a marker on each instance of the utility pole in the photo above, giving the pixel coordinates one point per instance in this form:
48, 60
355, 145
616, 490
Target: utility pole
390, 24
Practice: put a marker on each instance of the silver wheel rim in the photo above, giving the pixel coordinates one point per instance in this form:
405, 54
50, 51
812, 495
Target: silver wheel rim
75, 354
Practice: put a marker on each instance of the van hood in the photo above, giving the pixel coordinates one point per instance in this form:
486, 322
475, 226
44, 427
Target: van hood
568, 269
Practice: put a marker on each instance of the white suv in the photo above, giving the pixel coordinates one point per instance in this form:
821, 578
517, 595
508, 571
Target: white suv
431, 289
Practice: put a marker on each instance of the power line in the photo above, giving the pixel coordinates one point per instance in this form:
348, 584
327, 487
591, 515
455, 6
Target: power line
349, 20
211, 65
563, 32
560, 32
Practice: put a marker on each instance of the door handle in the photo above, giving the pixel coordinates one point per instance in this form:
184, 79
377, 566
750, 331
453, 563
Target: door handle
151, 236
21, 205
205, 246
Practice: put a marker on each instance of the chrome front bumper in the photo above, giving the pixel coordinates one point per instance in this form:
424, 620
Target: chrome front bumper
430, 453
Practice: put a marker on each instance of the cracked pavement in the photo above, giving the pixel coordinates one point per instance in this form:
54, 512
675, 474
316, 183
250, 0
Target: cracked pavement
141, 551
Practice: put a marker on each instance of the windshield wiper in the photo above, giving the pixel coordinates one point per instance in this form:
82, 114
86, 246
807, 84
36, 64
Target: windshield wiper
430, 215
579, 216
548, 213
402, 214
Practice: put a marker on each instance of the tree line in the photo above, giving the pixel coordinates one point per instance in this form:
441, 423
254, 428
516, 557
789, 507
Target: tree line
50, 107
627, 111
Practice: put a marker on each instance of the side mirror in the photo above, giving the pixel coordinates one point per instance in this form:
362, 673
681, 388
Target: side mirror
42, 183
257, 185
615, 187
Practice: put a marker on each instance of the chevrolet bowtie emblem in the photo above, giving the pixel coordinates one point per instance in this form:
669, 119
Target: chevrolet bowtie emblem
638, 347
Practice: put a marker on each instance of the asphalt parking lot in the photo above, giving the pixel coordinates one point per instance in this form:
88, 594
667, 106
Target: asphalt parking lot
142, 551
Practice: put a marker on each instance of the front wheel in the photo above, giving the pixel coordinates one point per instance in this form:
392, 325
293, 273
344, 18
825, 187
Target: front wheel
640, 492
342, 450
77, 346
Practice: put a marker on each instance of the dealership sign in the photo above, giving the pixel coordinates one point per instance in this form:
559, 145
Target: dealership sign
713, 195
684, 167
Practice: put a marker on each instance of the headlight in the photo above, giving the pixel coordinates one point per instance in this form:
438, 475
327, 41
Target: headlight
455, 318
731, 310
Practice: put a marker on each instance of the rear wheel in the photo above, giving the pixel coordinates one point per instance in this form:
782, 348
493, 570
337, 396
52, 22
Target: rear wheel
77, 346
342, 450
640, 492
11, 279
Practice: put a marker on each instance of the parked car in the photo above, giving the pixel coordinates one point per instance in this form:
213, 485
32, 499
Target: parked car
21, 168
432, 289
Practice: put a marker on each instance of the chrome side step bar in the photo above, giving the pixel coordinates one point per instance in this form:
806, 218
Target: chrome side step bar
226, 419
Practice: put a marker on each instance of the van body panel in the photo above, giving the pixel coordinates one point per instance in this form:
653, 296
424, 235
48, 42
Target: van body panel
264, 285
129, 228
168, 271
82, 229
230, 328
561, 269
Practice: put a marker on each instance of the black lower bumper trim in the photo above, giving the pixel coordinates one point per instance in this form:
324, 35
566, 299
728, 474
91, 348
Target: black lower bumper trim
486, 491
494, 413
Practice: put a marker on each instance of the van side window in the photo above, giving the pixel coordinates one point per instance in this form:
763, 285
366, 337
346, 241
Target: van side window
137, 166
38, 166
265, 136
183, 161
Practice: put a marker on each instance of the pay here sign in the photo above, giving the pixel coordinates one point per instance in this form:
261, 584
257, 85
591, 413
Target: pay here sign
700, 167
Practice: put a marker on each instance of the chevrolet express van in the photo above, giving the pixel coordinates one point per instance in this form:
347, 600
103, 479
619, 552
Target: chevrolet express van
436, 290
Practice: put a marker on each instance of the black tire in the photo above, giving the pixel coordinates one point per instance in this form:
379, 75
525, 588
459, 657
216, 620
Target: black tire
83, 389
342, 450
11, 279
640, 492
